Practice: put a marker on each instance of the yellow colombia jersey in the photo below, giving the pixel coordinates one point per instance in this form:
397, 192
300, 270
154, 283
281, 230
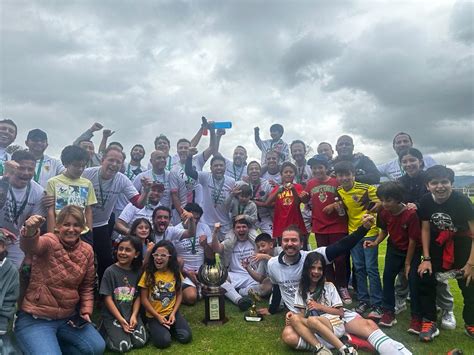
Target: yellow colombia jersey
357, 201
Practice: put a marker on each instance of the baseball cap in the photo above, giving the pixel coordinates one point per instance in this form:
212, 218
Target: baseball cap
37, 135
319, 159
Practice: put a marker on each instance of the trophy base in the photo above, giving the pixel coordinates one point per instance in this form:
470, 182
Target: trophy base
256, 318
214, 306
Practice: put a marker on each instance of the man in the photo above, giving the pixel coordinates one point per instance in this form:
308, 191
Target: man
163, 231
108, 184
216, 188
162, 143
24, 199
135, 167
236, 249
8, 131
272, 173
261, 189
237, 167
303, 170
392, 170
46, 167
159, 174
366, 171
84, 141
324, 148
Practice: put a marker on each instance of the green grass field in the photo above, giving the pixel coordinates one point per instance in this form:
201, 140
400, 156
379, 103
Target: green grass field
238, 336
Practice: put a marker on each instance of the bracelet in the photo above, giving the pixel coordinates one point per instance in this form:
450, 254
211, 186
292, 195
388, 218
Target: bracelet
426, 258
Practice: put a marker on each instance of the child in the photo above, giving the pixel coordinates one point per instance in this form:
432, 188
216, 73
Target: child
329, 220
447, 235
9, 291
276, 143
359, 199
238, 203
161, 296
266, 250
122, 327
69, 188
142, 229
403, 251
322, 325
287, 199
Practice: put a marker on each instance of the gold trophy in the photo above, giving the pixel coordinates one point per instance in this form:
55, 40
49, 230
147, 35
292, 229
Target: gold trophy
252, 315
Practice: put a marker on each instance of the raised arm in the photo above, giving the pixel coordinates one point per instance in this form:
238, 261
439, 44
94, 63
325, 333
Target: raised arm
30, 241
87, 135
216, 246
188, 167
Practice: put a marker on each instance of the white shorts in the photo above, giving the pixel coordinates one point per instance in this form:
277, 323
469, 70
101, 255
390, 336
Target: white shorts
349, 315
337, 328
187, 281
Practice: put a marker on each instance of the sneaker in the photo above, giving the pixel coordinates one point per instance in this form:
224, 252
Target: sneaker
375, 314
429, 330
448, 321
388, 319
244, 303
362, 308
400, 305
348, 349
415, 326
469, 329
345, 295
322, 350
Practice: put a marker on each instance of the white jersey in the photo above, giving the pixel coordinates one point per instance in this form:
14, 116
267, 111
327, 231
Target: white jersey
171, 234
20, 204
171, 161
162, 178
130, 213
393, 169
4, 156
272, 177
234, 171
288, 277
184, 247
215, 192
46, 168
329, 297
107, 193
192, 189
260, 192
132, 171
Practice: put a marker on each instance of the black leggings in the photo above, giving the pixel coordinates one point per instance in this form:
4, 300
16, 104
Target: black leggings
103, 249
161, 336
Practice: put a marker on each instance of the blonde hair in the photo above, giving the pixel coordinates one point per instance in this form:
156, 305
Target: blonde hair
73, 211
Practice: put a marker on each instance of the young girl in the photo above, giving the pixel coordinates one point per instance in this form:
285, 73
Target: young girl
142, 229
161, 296
320, 323
411, 161
287, 199
121, 326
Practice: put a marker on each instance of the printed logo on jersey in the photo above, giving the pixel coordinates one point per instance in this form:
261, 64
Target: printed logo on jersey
443, 221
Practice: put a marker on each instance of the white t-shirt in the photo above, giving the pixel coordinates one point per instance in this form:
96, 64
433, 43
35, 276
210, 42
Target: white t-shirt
213, 200
288, 277
275, 177
261, 192
47, 168
162, 178
4, 156
131, 171
130, 213
171, 161
184, 184
329, 297
184, 247
107, 193
171, 234
234, 171
393, 170
20, 205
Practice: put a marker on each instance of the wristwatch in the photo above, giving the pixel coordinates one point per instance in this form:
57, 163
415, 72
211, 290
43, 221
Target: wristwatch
426, 258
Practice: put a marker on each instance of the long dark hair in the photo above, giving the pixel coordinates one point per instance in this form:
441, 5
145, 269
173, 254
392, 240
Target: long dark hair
137, 245
173, 265
136, 223
305, 282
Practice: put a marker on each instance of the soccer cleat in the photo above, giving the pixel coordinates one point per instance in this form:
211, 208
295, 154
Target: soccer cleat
388, 319
448, 321
375, 314
415, 326
348, 350
345, 295
469, 329
429, 331
362, 308
244, 303
400, 305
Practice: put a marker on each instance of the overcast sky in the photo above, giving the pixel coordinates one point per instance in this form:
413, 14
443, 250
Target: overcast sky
320, 68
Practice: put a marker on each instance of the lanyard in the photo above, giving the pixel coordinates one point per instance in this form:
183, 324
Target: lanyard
255, 190
169, 163
240, 209
103, 200
300, 175
38, 170
17, 212
219, 191
2, 161
193, 244
156, 177
235, 173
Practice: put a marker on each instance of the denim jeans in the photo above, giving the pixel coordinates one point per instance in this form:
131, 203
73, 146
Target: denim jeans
394, 263
365, 261
40, 336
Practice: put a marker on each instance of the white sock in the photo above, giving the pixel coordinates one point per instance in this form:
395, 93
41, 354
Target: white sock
231, 293
386, 345
303, 345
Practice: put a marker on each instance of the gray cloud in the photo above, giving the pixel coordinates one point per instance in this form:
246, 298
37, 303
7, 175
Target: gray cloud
462, 22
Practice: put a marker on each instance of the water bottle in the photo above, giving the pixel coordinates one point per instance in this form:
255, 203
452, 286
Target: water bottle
221, 125
451, 274
339, 207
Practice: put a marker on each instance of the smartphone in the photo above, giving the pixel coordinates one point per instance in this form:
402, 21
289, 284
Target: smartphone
78, 322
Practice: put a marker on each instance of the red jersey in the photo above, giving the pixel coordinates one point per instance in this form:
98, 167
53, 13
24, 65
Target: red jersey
401, 227
322, 194
287, 211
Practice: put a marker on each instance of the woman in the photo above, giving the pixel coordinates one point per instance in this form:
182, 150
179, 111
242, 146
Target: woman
54, 317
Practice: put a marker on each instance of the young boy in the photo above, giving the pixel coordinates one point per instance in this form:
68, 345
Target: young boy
276, 144
69, 188
447, 235
9, 290
328, 225
360, 199
403, 251
266, 250
238, 203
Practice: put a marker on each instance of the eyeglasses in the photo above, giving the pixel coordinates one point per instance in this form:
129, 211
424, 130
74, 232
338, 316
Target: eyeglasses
161, 256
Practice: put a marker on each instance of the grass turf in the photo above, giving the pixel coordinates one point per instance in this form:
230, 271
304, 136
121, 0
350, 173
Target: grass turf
239, 336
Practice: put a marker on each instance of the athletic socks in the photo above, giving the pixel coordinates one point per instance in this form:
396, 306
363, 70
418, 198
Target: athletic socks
386, 345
